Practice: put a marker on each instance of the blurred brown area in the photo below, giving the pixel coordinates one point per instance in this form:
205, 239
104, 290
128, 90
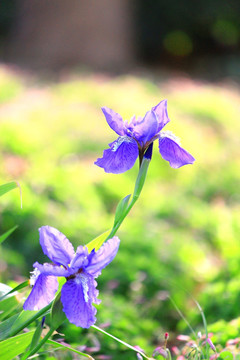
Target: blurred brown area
199, 38
57, 33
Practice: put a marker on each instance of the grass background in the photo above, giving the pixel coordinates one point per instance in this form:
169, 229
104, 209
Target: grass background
181, 240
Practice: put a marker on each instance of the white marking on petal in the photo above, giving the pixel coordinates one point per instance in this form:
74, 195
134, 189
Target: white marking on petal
119, 141
83, 280
170, 135
34, 275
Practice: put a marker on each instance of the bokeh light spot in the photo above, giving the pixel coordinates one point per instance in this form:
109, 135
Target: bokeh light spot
178, 43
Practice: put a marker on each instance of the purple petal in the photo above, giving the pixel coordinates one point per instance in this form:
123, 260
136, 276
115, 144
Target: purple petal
162, 114
51, 269
114, 120
77, 297
56, 246
147, 128
42, 293
80, 259
120, 157
174, 153
103, 256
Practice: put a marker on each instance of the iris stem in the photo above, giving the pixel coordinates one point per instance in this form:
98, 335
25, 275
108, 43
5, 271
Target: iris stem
137, 191
120, 341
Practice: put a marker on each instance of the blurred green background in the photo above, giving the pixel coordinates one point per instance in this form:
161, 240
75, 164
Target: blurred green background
59, 64
181, 240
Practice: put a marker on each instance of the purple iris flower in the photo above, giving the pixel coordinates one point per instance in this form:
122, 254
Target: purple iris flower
136, 136
80, 270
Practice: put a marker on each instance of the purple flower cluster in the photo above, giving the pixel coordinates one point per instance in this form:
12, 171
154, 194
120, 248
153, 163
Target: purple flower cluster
135, 138
80, 270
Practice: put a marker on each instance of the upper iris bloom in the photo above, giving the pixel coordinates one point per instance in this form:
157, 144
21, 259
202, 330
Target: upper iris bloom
80, 269
135, 138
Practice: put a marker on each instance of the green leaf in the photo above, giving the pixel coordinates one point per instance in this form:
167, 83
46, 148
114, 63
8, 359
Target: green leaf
57, 315
14, 346
18, 287
121, 208
25, 318
7, 187
97, 242
6, 326
56, 344
226, 355
7, 306
36, 336
10, 186
7, 233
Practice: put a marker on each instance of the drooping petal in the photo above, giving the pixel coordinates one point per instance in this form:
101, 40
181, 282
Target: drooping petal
56, 246
147, 128
51, 269
103, 256
77, 297
42, 293
120, 157
80, 259
162, 114
114, 120
174, 153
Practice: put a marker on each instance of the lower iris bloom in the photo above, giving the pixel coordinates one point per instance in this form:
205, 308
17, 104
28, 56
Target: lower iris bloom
135, 138
80, 270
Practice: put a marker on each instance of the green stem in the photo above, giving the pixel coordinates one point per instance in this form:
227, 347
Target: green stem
120, 341
39, 345
137, 191
118, 224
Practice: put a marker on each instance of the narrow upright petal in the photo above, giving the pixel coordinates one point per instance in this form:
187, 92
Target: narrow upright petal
103, 256
120, 157
42, 293
114, 120
146, 128
56, 246
162, 114
80, 259
77, 297
174, 153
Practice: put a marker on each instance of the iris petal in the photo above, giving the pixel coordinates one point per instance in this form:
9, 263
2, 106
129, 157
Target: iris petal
42, 293
56, 246
103, 256
162, 114
77, 297
51, 269
114, 120
174, 153
79, 259
120, 157
146, 129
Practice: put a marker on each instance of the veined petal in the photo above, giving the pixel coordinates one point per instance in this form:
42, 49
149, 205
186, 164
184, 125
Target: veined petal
174, 153
114, 120
56, 246
103, 256
120, 157
77, 297
42, 293
51, 269
147, 128
162, 114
